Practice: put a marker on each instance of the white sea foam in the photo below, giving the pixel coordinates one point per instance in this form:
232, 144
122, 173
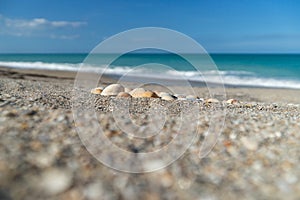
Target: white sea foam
258, 81
235, 78
41, 65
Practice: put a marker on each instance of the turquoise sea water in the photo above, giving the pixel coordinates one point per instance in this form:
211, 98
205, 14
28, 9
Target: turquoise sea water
262, 70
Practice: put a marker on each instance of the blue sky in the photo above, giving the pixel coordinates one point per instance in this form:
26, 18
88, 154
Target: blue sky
241, 26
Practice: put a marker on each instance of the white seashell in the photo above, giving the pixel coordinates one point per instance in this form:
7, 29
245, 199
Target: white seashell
168, 97
191, 97
137, 92
160, 94
112, 90
97, 90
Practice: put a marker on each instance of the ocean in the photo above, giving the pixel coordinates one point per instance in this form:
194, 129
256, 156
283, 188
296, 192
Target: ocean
238, 70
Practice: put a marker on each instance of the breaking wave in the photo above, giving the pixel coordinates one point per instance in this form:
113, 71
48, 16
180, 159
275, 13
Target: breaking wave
234, 78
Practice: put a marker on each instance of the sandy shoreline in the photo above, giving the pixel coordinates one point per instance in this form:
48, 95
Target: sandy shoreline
258, 94
256, 155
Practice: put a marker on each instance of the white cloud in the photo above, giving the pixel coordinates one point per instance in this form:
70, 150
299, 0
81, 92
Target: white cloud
40, 23
64, 37
38, 27
65, 23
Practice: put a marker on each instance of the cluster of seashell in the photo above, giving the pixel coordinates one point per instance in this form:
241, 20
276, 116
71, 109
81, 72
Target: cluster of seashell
118, 90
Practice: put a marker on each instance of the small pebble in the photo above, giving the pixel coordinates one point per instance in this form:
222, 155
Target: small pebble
212, 101
167, 179
10, 113
200, 99
249, 144
4, 103
181, 98
30, 112
60, 118
152, 165
42, 159
232, 101
94, 191
54, 181
7, 95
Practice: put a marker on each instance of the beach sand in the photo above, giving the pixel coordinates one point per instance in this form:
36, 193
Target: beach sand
42, 157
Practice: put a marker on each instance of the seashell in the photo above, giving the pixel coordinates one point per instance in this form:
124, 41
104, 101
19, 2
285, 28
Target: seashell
124, 94
200, 99
232, 101
137, 92
168, 97
180, 97
191, 97
149, 94
112, 90
160, 94
97, 90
